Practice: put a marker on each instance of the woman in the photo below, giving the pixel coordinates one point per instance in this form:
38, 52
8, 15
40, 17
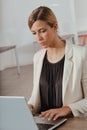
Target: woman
60, 70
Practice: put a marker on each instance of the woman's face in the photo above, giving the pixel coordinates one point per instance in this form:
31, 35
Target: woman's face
44, 34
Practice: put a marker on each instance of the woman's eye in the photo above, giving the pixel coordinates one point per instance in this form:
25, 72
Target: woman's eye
40, 31
43, 30
33, 33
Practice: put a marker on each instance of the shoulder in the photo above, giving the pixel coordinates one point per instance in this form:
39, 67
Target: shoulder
77, 51
80, 51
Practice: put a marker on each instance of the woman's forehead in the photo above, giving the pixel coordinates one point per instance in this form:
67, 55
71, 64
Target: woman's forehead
39, 24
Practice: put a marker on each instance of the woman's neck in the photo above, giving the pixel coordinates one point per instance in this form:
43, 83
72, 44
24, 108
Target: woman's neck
57, 44
57, 51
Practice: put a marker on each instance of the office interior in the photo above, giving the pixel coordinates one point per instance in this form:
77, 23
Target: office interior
16, 71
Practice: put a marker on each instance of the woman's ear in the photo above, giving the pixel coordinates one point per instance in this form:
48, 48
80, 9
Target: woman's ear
55, 26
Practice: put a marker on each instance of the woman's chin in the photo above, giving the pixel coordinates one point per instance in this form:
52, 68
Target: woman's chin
43, 46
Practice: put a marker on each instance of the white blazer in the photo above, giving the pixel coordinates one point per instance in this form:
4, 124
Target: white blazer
74, 85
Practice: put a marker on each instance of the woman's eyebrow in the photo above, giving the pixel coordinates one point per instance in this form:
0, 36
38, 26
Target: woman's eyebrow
39, 29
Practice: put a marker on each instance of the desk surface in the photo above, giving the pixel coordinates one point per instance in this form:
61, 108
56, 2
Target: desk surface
6, 48
74, 124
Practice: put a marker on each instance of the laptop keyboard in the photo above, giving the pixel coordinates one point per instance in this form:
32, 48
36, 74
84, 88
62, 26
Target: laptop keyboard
44, 126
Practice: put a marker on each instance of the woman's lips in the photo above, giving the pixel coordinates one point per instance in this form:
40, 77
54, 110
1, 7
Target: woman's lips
42, 43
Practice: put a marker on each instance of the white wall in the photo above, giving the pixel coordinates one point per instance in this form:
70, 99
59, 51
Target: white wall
81, 15
14, 29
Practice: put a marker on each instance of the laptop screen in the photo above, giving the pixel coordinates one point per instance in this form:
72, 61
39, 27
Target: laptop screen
15, 114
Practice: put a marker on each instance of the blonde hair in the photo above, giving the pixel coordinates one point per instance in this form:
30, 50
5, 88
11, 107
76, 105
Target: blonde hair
42, 13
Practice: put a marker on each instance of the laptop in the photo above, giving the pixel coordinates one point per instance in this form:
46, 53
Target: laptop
15, 115
45, 124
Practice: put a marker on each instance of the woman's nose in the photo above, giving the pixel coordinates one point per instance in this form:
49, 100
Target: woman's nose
38, 37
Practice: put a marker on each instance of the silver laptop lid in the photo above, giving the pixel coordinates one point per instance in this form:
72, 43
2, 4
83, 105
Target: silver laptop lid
15, 115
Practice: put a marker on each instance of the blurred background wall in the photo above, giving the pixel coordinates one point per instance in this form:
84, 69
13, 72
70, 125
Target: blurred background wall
14, 29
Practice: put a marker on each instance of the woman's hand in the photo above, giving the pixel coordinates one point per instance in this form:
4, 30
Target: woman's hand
31, 108
56, 113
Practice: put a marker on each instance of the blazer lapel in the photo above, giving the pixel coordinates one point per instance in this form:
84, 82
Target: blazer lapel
39, 65
67, 67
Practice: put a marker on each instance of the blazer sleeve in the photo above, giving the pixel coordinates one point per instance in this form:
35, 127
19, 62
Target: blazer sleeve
79, 108
35, 95
34, 98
